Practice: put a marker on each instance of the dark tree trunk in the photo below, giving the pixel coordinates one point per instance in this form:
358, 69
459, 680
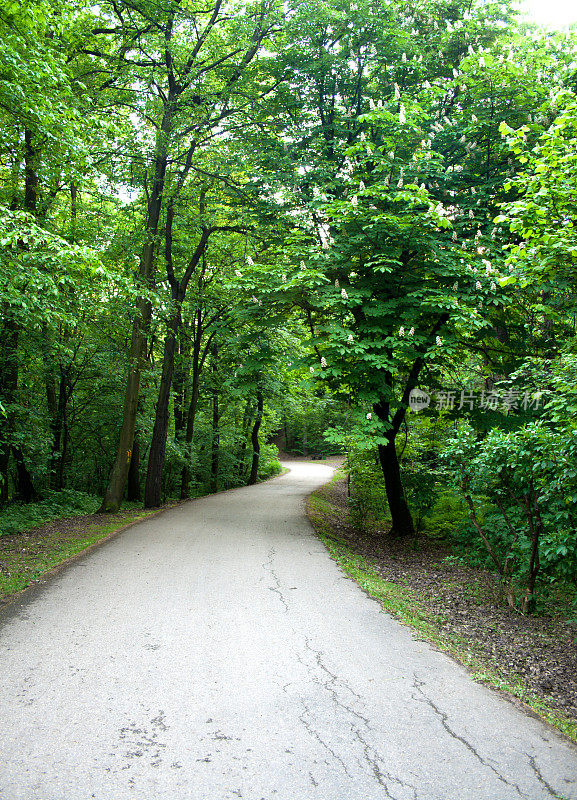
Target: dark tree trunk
215, 443
254, 439
191, 415
25, 491
156, 456
133, 483
400, 513
119, 474
8, 387
240, 457
215, 446
402, 521
180, 380
9, 366
59, 434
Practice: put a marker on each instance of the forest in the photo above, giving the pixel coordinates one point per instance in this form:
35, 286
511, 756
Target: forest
341, 227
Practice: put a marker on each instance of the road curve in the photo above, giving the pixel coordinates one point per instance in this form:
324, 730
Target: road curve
216, 652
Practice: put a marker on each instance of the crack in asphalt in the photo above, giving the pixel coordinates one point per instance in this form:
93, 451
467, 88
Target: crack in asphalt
539, 775
268, 567
331, 683
418, 686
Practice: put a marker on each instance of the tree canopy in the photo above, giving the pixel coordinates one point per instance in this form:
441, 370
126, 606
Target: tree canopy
230, 226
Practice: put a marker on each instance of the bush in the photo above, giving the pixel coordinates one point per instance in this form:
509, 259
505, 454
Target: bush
66, 503
449, 514
520, 487
368, 499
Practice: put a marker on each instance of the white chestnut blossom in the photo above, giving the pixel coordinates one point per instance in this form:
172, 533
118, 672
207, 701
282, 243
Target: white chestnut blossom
397, 92
478, 286
411, 332
439, 341
350, 338
344, 294
493, 286
323, 362
337, 283
369, 415
238, 273
402, 115
401, 331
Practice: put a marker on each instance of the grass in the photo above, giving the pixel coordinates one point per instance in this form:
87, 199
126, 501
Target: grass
405, 604
26, 558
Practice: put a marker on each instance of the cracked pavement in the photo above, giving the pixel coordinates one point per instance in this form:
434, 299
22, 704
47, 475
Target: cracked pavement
216, 652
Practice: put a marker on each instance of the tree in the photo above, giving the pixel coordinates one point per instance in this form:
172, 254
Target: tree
363, 220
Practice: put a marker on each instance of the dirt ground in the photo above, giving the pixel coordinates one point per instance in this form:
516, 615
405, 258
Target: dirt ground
540, 650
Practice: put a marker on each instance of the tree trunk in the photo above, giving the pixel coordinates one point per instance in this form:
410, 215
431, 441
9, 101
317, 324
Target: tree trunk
215, 444
9, 366
535, 530
133, 483
180, 381
117, 480
119, 474
157, 454
240, 457
8, 387
400, 513
59, 434
191, 415
25, 491
254, 439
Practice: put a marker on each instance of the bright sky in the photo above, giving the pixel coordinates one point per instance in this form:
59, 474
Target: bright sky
553, 13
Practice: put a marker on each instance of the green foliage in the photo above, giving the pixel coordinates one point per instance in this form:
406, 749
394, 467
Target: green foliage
526, 481
368, 500
66, 503
448, 518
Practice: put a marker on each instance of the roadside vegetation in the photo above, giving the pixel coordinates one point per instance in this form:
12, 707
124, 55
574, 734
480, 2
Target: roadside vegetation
455, 601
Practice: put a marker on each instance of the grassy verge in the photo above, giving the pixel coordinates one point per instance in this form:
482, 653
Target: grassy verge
27, 557
36, 539
407, 606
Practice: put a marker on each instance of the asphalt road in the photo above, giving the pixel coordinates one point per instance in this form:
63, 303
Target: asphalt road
216, 652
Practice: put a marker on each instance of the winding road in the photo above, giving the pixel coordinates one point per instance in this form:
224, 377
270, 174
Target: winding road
216, 652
